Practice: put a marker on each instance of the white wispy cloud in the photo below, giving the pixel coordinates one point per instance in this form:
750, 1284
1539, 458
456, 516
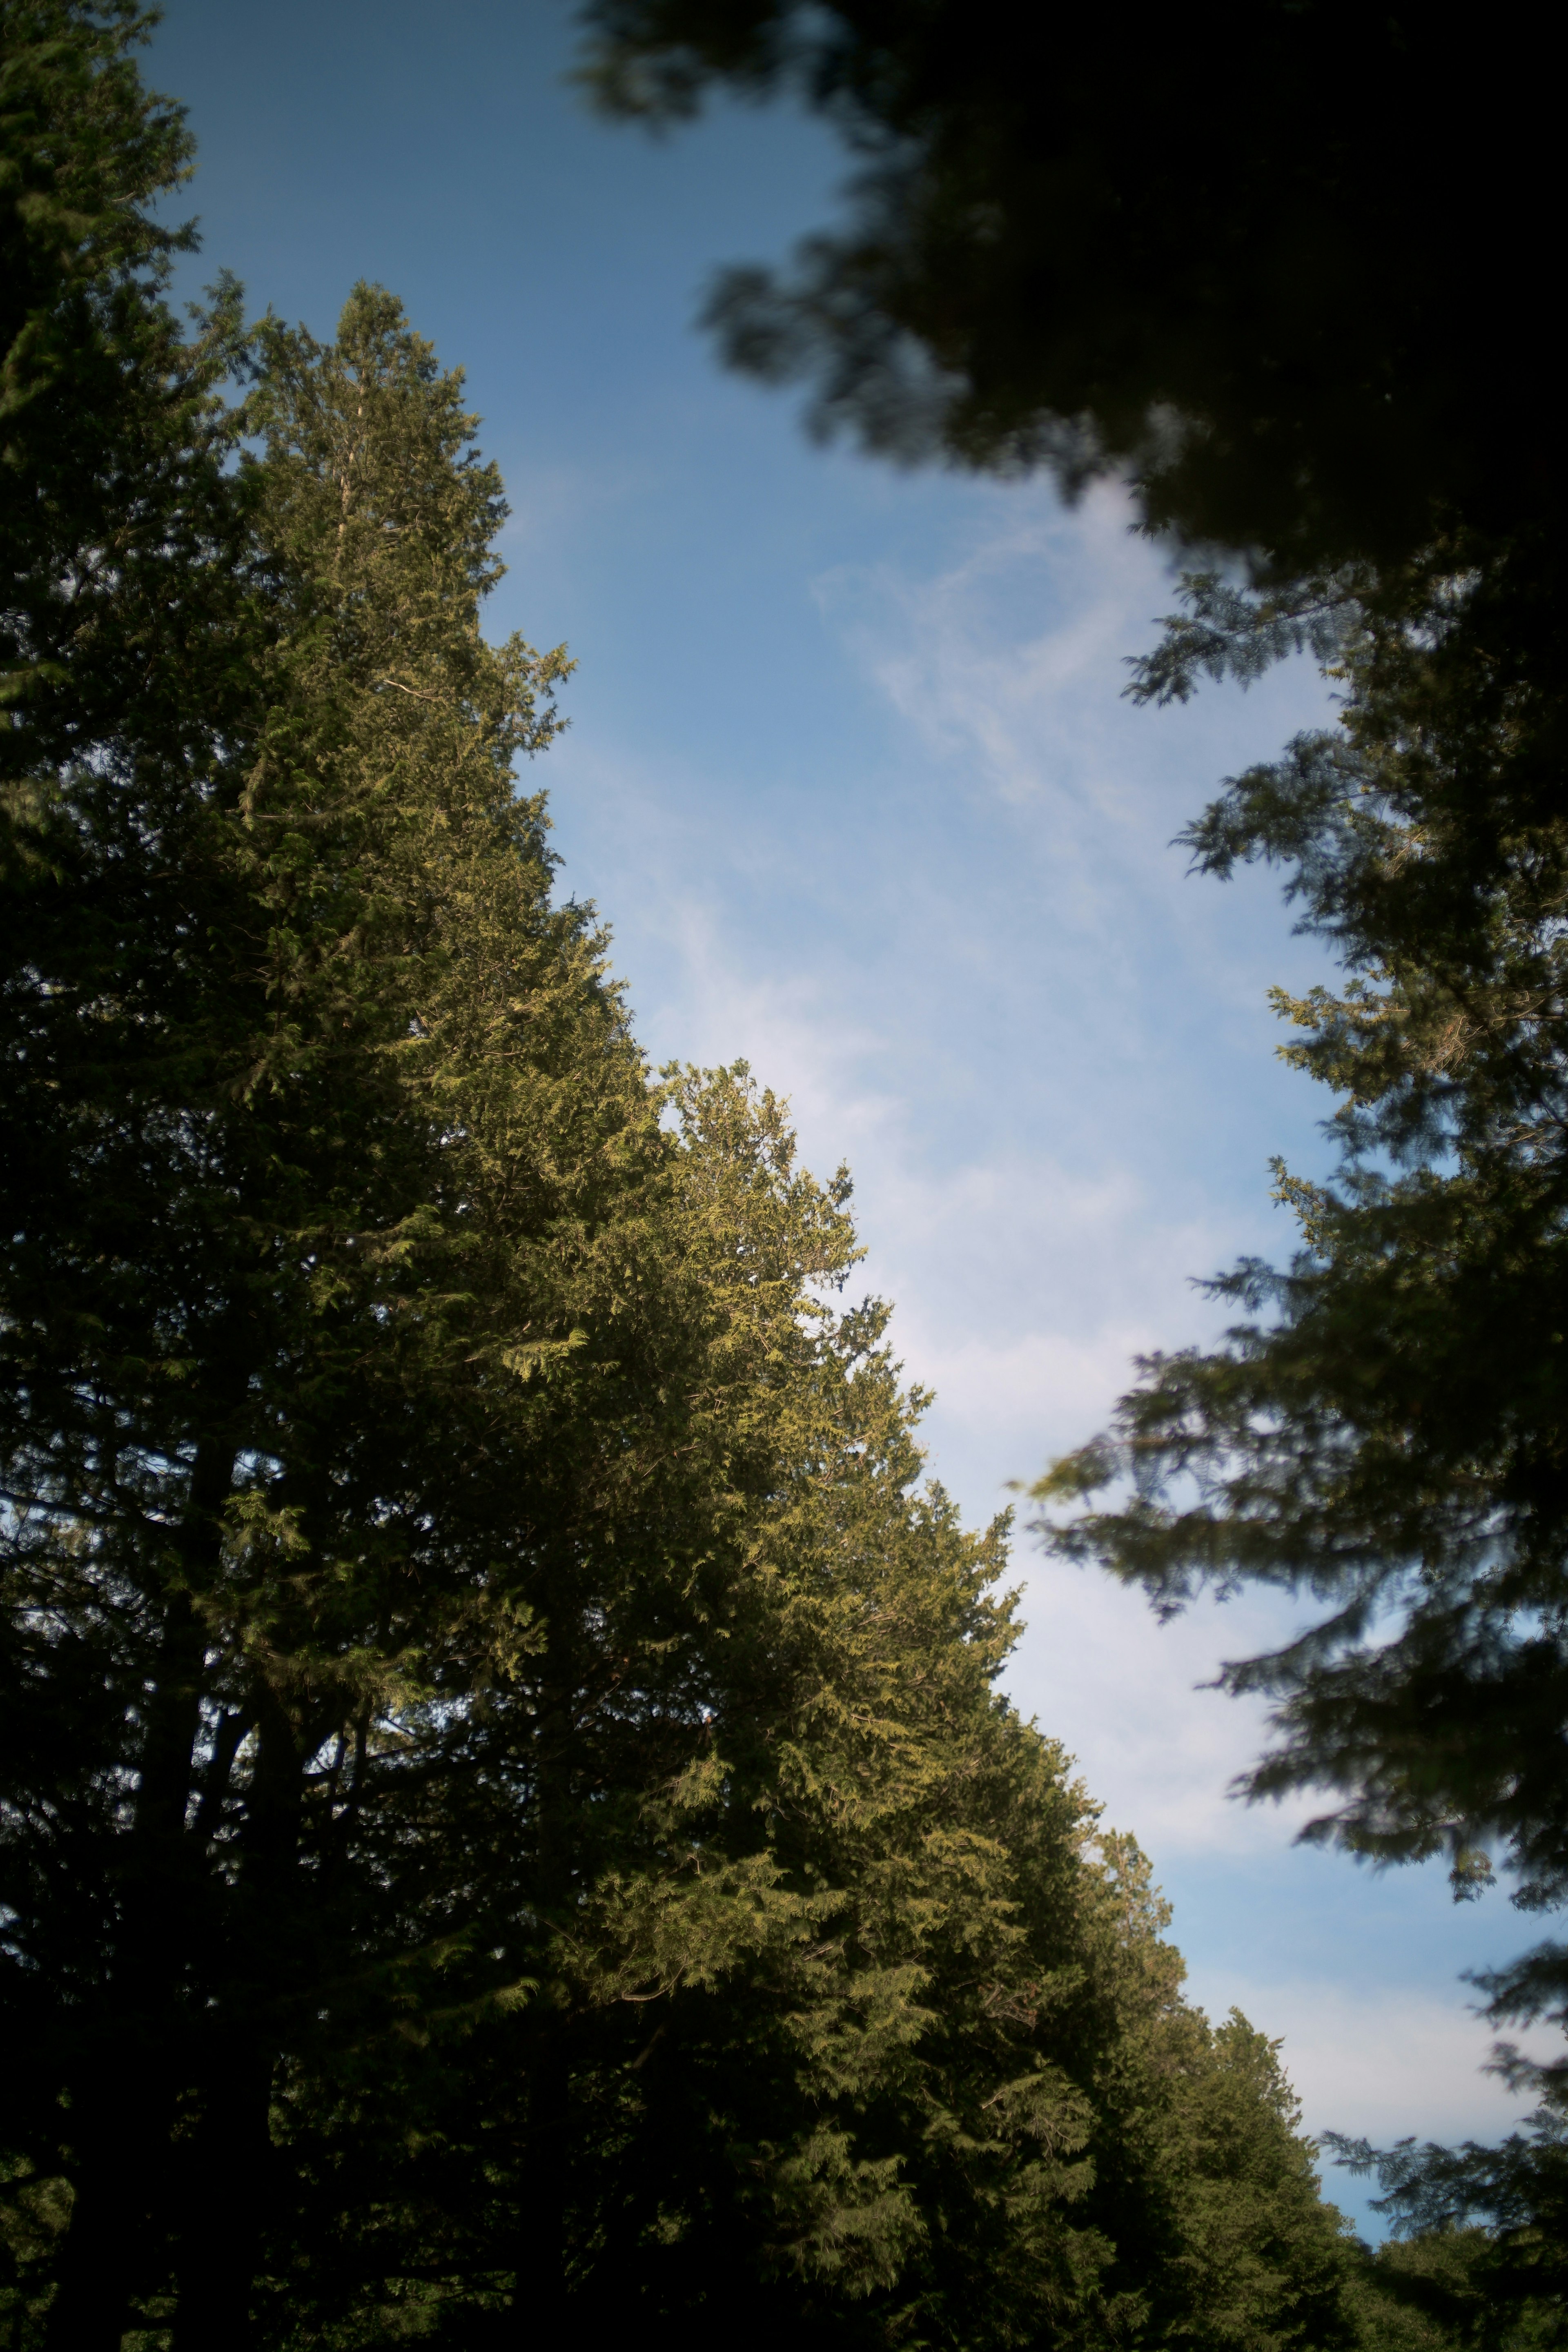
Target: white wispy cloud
956, 655
960, 944
1040, 1233
1380, 2066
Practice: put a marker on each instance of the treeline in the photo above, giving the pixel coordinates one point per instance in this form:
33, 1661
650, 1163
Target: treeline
1231, 255
507, 1821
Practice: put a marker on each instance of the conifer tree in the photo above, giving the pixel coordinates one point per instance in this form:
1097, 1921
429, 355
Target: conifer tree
123, 541
1382, 1431
860, 2029
312, 1276
1176, 247
506, 1819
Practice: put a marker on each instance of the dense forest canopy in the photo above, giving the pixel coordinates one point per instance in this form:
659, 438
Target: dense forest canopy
1279, 258
1278, 267
508, 1821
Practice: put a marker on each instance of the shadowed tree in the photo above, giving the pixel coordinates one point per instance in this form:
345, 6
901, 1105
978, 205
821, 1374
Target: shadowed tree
1228, 256
1227, 251
505, 1817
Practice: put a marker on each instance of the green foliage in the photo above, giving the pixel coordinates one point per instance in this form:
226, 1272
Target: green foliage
1421, 2295
1448, 2286
1218, 249
322, 1146
109, 501
1382, 1432
1386, 1434
506, 1819
1479, 2258
1261, 2258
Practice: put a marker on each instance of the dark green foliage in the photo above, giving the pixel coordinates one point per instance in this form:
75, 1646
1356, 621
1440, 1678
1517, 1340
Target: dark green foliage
119, 529
1426, 2294
1387, 1435
506, 1822
110, 498
1479, 2257
253, 1212
1234, 250
1384, 1433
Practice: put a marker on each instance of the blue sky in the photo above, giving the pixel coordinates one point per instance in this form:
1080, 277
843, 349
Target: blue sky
851, 776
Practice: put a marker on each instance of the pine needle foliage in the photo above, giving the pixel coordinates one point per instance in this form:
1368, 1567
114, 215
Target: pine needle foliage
507, 1818
1178, 246
286, 1272
1381, 1436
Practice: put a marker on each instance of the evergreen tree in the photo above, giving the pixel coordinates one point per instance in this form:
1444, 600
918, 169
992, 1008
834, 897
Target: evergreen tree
506, 1821
122, 536
1417, 2295
1386, 1439
104, 494
863, 2031
1478, 2257
1384, 1430
324, 1250
1179, 244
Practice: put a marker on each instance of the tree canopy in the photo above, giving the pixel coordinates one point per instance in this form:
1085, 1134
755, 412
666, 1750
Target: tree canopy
1280, 262
507, 1817
1381, 1434
1278, 268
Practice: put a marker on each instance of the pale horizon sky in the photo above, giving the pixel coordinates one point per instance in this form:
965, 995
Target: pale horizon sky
851, 778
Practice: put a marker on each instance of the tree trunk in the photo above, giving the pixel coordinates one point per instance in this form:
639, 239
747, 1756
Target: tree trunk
131, 2073
110, 2226
539, 2301
232, 2175
540, 2316
228, 2188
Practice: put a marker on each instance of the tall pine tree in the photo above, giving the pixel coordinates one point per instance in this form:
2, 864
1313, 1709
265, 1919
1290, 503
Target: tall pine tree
506, 1820
1382, 1432
325, 1119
